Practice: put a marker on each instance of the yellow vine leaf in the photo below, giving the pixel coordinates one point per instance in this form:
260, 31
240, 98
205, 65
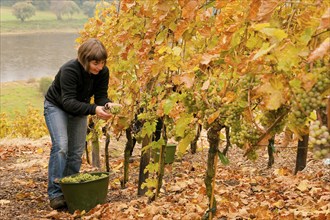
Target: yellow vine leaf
275, 32
263, 50
184, 144
177, 51
291, 58
272, 94
260, 26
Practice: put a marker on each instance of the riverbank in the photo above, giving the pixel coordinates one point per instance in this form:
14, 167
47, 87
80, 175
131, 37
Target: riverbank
74, 26
27, 32
42, 21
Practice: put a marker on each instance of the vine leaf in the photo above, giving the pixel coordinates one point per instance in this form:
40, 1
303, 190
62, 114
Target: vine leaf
182, 124
263, 50
275, 32
325, 20
180, 29
213, 117
184, 143
254, 9
207, 58
206, 85
224, 160
273, 96
291, 58
168, 105
319, 52
266, 9
189, 10
188, 79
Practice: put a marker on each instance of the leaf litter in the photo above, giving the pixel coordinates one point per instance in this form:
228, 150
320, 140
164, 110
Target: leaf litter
243, 189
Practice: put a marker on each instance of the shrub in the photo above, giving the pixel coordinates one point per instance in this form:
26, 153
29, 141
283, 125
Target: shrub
44, 84
4, 125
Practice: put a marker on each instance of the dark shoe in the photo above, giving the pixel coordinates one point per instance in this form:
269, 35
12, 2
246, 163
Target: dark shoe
58, 202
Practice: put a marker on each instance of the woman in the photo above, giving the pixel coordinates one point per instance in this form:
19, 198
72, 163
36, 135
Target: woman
67, 104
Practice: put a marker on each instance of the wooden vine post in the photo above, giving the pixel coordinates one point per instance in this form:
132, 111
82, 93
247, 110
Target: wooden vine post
193, 144
214, 140
328, 112
144, 161
302, 151
106, 130
213, 188
127, 154
161, 168
95, 149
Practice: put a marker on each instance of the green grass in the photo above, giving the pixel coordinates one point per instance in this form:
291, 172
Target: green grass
18, 96
41, 21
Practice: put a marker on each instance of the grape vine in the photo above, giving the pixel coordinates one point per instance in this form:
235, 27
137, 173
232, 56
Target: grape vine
257, 67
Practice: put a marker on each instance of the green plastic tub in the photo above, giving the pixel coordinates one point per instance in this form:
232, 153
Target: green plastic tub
169, 154
86, 195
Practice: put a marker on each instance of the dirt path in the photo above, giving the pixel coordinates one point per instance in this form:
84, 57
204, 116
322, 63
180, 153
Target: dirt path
244, 189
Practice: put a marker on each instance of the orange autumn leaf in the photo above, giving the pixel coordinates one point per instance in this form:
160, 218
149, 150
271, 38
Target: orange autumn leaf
321, 51
266, 9
325, 20
189, 10
254, 9
188, 79
213, 117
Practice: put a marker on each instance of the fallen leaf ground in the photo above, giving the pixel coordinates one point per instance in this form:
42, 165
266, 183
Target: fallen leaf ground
243, 189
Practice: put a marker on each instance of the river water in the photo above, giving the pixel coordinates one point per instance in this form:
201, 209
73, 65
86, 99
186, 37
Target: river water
35, 55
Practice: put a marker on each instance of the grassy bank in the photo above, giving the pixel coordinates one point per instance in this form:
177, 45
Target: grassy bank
41, 21
18, 96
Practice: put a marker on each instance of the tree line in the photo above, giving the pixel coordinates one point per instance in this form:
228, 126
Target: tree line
24, 10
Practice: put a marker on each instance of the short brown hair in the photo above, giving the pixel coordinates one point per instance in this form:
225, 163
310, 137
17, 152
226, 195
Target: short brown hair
92, 49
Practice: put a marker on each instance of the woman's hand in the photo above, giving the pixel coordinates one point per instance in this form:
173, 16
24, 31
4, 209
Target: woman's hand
111, 104
101, 113
113, 108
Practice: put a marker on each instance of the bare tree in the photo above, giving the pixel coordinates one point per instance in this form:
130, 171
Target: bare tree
62, 7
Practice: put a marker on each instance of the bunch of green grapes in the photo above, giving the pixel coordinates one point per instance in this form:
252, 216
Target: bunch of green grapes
244, 133
319, 139
232, 115
112, 109
82, 177
248, 81
308, 101
268, 118
190, 102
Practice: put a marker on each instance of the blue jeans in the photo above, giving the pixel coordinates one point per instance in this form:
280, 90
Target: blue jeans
68, 135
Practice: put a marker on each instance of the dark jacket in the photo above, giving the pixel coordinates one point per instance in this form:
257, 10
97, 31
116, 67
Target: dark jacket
73, 88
